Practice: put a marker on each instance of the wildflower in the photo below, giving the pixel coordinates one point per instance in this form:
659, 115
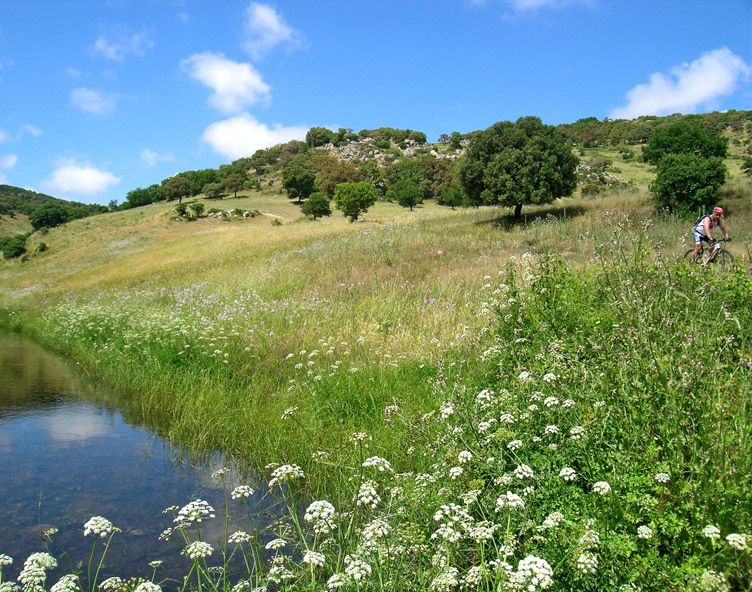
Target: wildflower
446, 580
474, 576
455, 472
360, 437
524, 376
507, 418
320, 456
5, 559
275, 544
43, 560
336, 581
712, 581
379, 463
321, 513
591, 539
576, 432
532, 408
446, 409
470, 497
514, 445
509, 500
68, 583
377, 529
551, 402
644, 532
464, 456
552, 429
599, 404
239, 537
482, 531
367, 495
196, 511
219, 473
9, 587
737, 541
279, 574
148, 587
662, 477
711, 532
285, 473
170, 510
314, 558
356, 569
533, 573
550, 377
197, 550
113, 583
242, 491
568, 474
601, 488
568, 403
99, 526
155, 564
587, 563
523, 472
287, 413
552, 521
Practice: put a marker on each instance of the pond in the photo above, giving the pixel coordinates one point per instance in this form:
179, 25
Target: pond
70, 450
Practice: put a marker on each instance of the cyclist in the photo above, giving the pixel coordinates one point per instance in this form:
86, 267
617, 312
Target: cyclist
703, 227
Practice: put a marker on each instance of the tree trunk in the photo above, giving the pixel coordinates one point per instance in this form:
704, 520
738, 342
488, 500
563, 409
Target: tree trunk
517, 211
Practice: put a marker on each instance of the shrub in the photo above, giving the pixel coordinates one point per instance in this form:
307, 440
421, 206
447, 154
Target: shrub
198, 209
181, 209
317, 206
15, 247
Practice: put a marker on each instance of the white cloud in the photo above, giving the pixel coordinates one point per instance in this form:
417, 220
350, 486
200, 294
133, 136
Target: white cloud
31, 129
149, 158
714, 74
78, 178
236, 85
242, 135
92, 101
121, 43
3, 136
265, 28
8, 161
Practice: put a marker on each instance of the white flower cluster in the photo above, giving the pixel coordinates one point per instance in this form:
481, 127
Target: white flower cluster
242, 491
576, 432
533, 574
148, 587
509, 500
196, 511
321, 514
568, 474
712, 581
587, 563
644, 532
590, 540
464, 457
523, 472
367, 495
662, 477
239, 537
34, 572
379, 463
738, 541
5, 559
711, 532
446, 580
285, 473
314, 558
514, 445
356, 569
197, 550
602, 488
68, 583
99, 526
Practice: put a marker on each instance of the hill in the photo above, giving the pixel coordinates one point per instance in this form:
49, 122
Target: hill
17, 204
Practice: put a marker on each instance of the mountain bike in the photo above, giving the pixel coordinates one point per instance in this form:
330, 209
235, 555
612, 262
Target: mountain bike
714, 254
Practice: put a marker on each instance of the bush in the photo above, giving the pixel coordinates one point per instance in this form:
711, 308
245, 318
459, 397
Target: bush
198, 209
15, 246
42, 247
181, 209
687, 183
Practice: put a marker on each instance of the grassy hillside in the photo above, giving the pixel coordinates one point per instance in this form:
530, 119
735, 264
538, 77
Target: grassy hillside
481, 401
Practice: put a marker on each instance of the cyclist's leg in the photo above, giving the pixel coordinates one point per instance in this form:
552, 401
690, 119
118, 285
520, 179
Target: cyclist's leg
698, 246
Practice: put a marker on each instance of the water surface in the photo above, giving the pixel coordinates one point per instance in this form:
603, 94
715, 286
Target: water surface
70, 450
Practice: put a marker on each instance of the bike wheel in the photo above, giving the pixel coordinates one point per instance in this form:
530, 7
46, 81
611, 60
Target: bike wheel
688, 256
724, 259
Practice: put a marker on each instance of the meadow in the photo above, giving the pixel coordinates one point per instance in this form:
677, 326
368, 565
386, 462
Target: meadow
443, 399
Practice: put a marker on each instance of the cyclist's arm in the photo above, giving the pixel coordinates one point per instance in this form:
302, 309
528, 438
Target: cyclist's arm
723, 228
706, 224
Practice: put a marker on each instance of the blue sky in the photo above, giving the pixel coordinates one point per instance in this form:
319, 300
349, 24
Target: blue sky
100, 97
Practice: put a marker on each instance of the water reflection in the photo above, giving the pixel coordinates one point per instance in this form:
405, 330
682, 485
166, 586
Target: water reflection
67, 453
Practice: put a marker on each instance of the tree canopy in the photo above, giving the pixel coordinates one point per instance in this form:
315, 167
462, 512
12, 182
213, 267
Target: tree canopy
354, 199
515, 164
177, 188
684, 137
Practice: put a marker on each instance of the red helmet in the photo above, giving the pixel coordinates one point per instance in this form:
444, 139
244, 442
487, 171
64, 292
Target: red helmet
718, 211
